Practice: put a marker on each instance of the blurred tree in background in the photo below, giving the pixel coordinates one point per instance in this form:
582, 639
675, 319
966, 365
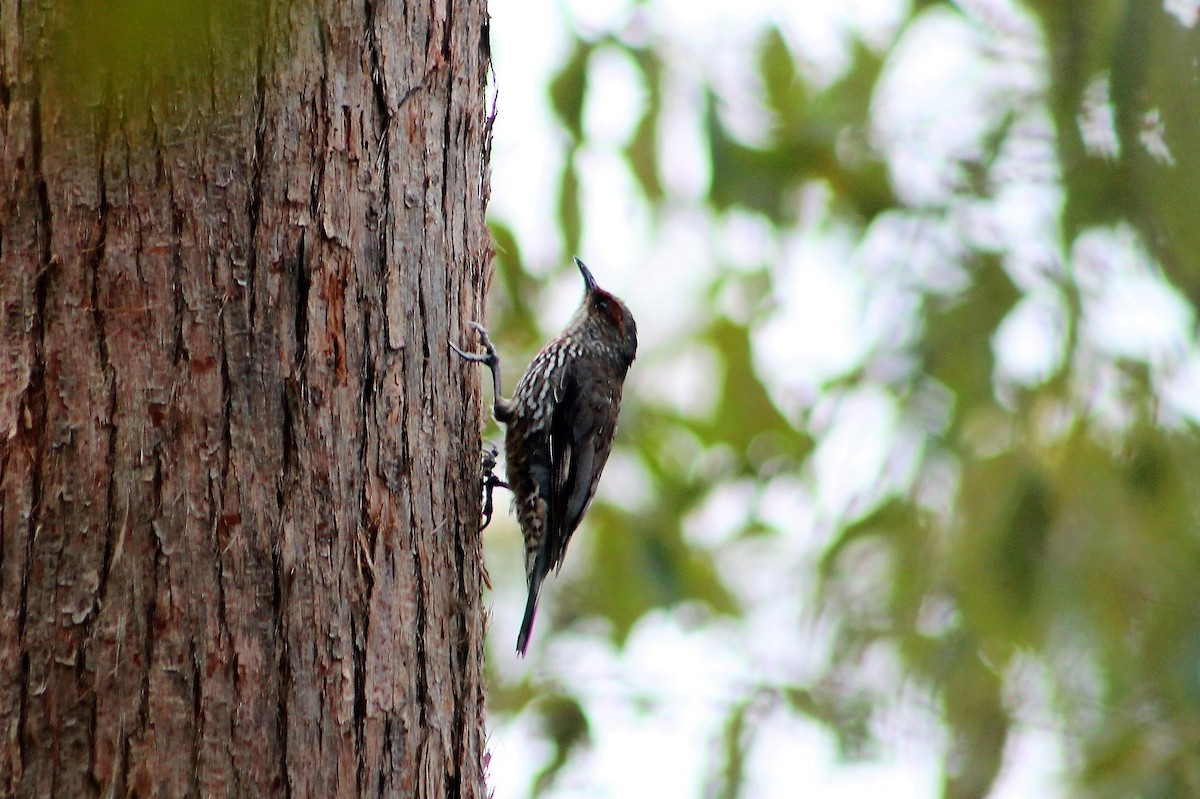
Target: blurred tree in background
1016, 544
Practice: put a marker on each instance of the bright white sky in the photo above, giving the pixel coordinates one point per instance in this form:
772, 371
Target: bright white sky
689, 674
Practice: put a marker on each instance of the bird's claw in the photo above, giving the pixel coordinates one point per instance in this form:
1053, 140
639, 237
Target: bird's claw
490, 357
490, 483
470, 356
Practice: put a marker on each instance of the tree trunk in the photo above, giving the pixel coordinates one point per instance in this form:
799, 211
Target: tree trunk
239, 547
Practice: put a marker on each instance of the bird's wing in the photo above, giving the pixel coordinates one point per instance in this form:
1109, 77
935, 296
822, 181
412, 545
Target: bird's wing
580, 441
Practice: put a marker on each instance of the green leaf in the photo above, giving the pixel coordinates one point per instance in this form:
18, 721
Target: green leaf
787, 95
758, 180
565, 725
956, 349
569, 88
727, 781
974, 711
745, 411
642, 150
642, 154
999, 553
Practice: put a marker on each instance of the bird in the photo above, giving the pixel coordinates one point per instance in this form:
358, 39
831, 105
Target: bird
559, 427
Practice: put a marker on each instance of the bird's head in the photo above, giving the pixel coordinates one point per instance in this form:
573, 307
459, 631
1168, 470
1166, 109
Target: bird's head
606, 318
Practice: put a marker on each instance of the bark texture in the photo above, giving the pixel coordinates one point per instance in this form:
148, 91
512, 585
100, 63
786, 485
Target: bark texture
239, 548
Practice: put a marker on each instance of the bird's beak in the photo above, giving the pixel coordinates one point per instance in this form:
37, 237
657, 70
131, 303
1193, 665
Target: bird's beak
588, 280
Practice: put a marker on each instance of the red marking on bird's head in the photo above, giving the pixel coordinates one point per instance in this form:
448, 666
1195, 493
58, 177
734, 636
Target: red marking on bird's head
609, 307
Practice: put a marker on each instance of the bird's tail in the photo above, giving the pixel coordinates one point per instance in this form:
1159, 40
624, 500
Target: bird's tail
535, 585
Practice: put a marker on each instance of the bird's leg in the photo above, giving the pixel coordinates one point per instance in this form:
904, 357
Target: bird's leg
490, 483
490, 358
488, 479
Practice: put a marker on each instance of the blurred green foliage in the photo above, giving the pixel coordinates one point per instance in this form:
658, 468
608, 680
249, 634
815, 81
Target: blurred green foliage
1067, 541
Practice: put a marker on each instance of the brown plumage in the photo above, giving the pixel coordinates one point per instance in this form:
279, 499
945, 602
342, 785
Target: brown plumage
560, 425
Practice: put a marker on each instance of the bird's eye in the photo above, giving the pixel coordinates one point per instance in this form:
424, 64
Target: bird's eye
602, 305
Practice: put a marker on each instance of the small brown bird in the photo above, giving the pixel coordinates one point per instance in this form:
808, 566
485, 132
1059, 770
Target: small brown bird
560, 425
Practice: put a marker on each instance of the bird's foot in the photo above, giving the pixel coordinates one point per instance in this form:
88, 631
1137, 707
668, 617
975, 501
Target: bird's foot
489, 357
490, 483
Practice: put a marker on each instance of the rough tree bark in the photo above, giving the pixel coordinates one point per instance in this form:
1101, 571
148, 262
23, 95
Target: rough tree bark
239, 549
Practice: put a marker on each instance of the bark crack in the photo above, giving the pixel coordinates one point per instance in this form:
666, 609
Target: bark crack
382, 162
359, 656
448, 123
35, 403
162, 175
385, 745
254, 209
321, 101
143, 710
198, 731
303, 284
377, 79
285, 669
96, 254
226, 406
179, 350
489, 124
